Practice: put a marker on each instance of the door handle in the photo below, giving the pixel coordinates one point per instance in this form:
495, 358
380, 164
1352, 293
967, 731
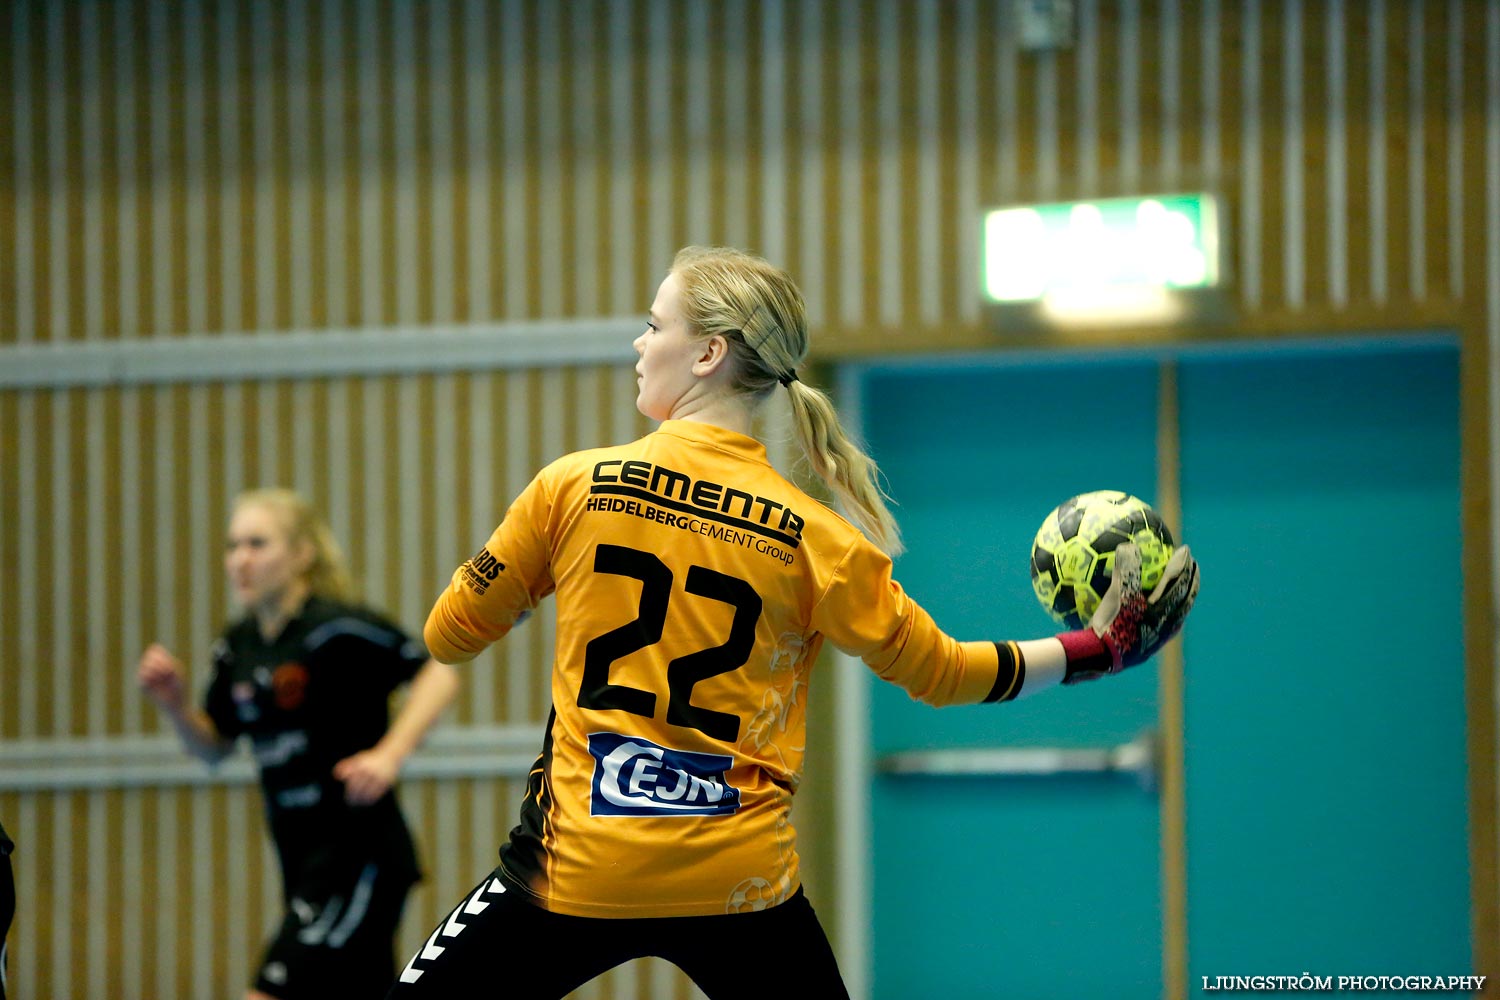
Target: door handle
1137, 759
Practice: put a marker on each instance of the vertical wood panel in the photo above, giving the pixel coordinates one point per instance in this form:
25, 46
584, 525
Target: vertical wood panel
12, 665
1397, 237
33, 164
1378, 110
70, 565
100, 618
240, 873
38, 557
272, 183
1456, 99
1056, 100
1433, 191
550, 170
209, 219
578, 97
128, 974
303, 252
1275, 132
474, 519
892, 219
101, 833
65, 170
1163, 79
1293, 248
230, 112
959, 283
469, 188
1020, 156
512, 159
735, 154
336, 195
767, 200
1210, 50
1414, 198
132, 579
1129, 44
1308, 173
1090, 78
1329, 250
844, 220
13, 112
89, 248
196, 138
1356, 31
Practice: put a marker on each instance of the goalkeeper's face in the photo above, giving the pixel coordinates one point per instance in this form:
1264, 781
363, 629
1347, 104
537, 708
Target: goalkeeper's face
669, 370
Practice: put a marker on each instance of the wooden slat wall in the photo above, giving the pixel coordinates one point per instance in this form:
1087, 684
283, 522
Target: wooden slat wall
218, 166
213, 166
114, 541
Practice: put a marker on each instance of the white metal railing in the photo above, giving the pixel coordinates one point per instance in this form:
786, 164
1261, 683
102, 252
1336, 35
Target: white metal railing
320, 353
158, 761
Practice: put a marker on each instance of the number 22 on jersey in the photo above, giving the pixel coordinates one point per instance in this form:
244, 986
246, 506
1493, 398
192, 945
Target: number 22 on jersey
596, 691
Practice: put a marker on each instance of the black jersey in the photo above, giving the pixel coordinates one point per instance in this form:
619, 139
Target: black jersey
307, 699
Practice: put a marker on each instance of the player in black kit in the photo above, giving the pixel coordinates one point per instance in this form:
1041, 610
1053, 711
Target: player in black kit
307, 675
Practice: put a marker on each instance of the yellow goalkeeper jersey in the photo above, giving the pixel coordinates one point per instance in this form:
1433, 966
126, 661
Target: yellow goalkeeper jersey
695, 586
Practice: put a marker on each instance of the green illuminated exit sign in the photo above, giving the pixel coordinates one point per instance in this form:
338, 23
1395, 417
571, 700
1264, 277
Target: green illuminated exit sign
1094, 250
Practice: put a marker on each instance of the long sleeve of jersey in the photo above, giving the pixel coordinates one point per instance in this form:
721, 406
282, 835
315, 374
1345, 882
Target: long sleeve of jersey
866, 613
859, 607
496, 586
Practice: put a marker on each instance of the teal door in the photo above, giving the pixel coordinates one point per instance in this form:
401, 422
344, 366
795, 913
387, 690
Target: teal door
988, 886
1323, 694
1323, 706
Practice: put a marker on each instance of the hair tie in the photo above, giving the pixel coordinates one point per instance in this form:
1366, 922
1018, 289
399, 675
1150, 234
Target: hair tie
788, 378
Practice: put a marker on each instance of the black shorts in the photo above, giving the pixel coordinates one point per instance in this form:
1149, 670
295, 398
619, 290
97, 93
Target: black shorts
338, 937
496, 943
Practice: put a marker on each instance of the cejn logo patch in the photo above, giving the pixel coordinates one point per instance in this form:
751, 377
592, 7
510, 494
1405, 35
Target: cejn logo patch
635, 777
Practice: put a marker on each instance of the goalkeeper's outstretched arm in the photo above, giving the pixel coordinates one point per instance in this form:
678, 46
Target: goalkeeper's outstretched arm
867, 614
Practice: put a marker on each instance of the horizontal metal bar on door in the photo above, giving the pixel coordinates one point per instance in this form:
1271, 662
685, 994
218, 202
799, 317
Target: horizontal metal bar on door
1136, 759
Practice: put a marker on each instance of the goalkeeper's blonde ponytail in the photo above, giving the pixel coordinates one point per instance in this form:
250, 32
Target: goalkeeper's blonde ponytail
759, 311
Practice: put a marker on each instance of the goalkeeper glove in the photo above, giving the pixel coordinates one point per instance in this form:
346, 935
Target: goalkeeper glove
1129, 626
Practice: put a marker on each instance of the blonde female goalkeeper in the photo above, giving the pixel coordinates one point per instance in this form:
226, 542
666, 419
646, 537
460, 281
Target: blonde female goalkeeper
695, 587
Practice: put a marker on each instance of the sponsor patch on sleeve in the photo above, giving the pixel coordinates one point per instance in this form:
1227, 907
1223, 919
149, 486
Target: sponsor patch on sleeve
481, 570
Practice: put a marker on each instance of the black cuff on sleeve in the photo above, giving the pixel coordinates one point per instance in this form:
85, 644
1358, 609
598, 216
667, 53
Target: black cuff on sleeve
1011, 676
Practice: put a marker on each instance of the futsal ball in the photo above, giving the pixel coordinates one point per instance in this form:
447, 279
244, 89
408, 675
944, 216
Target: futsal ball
1073, 555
